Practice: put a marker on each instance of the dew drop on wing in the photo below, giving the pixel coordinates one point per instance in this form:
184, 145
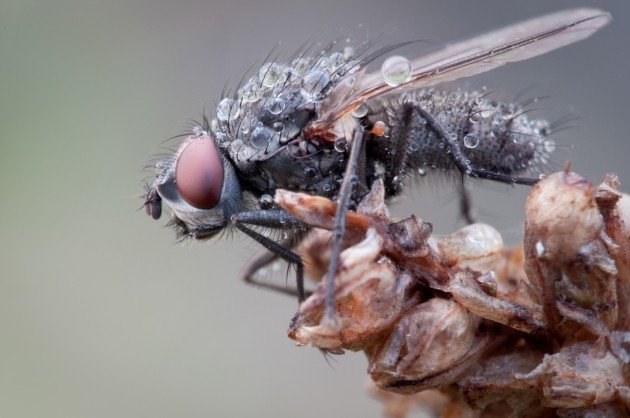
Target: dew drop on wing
360, 111
396, 70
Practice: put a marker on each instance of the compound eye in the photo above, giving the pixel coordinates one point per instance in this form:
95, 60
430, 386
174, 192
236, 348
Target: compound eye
199, 173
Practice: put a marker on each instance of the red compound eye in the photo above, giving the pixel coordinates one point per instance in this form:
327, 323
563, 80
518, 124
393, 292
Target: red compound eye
199, 173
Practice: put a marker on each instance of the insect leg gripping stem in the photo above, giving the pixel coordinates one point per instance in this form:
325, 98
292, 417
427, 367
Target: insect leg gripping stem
340, 219
275, 248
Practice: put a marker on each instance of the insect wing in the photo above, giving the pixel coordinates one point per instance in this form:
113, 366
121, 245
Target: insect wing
480, 54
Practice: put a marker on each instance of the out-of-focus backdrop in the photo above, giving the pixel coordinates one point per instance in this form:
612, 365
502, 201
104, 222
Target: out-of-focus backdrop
102, 313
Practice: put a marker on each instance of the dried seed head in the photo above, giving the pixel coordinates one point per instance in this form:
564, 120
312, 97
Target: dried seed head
567, 256
541, 329
430, 339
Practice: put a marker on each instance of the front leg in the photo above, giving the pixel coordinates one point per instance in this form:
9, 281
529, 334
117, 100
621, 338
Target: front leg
273, 219
264, 259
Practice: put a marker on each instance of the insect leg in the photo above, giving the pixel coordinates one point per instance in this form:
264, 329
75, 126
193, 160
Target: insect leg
465, 202
273, 219
460, 160
266, 258
349, 178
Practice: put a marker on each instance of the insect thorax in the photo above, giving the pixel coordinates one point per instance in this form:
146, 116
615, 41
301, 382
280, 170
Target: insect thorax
260, 128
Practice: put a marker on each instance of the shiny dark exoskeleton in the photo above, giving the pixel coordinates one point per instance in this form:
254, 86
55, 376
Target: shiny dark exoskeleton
323, 125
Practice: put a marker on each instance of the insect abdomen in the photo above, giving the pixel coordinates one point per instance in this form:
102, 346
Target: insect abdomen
493, 136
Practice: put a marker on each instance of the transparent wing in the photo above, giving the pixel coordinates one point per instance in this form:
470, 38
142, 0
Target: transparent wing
482, 53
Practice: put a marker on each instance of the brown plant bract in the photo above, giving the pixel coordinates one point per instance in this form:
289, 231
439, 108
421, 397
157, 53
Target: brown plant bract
465, 327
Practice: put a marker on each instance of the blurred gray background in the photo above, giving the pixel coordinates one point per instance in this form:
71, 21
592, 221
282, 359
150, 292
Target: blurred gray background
102, 313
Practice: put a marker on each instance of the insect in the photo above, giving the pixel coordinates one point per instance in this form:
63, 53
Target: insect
325, 125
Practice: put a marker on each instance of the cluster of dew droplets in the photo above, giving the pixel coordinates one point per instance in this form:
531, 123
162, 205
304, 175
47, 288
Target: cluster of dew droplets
311, 76
273, 86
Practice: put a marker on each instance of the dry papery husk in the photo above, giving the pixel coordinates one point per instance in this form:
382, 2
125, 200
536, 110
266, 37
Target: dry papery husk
462, 326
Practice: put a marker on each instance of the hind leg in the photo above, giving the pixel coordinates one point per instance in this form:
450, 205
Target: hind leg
465, 202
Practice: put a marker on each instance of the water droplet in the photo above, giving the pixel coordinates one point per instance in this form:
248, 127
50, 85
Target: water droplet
479, 100
246, 126
350, 81
396, 70
323, 62
310, 172
348, 53
422, 172
260, 137
221, 138
227, 110
250, 92
300, 65
236, 146
270, 74
277, 105
360, 111
265, 202
474, 118
471, 140
550, 146
508, 160
542, 176
278, 126
453, 135
335, 60
340, 145
198, 131
314, 82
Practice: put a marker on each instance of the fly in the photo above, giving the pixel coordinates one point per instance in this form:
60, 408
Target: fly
326, 126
